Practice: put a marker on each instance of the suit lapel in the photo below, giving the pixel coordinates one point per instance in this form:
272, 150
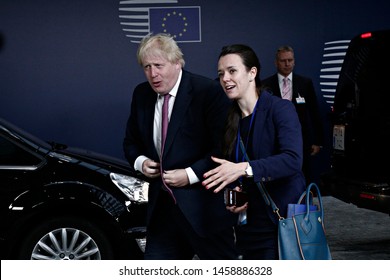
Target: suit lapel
149, 119
260, 123
261, 118
183, 100
295, 89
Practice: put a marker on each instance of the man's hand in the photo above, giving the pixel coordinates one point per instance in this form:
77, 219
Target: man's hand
176, 178
151, 169
315, 150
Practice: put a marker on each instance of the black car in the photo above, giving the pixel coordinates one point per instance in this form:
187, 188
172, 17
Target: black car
58, 202
360, 168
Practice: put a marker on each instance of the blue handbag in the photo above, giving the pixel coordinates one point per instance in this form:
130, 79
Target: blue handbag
294, 209
301, 236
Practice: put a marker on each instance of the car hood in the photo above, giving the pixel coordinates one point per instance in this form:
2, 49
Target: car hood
94, 158
64, 152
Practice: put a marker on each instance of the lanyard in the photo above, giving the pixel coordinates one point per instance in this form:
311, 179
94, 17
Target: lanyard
249, 131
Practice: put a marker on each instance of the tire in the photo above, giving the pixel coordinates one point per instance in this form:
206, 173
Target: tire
65, 238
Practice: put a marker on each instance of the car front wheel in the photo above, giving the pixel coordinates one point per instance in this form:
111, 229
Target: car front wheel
66, 238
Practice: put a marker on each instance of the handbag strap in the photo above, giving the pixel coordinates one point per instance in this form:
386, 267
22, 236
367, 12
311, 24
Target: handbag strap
268, 200
319, 198
260, 185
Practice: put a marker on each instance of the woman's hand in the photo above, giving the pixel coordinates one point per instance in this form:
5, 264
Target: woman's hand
226, 173
237, 209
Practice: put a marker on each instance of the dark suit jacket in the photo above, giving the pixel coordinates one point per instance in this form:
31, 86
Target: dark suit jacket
194, 134
277, 151
308, 112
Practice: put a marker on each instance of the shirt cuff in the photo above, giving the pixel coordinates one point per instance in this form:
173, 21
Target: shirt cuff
191, 176
249, 171
138, 163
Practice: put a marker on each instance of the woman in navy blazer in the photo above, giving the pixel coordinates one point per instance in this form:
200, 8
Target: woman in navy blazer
183, 218
271, 133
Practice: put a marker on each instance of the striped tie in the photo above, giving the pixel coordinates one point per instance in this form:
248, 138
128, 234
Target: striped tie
286, 90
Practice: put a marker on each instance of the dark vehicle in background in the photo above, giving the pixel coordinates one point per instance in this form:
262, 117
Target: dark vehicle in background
58, 202
360, 159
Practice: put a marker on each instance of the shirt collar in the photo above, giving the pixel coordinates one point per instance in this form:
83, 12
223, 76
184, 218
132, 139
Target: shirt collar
175, 88
280, 77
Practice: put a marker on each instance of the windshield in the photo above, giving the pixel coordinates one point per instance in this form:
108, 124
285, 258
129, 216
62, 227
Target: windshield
23, 135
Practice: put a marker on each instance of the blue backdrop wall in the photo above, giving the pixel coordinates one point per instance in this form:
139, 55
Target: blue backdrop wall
68, 68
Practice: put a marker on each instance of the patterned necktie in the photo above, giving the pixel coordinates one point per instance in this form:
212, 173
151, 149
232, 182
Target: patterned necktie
286, 91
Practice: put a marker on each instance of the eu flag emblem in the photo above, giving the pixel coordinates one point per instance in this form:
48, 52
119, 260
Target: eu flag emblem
183, 23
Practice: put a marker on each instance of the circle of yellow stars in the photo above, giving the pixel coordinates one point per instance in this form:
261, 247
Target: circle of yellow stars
175, 14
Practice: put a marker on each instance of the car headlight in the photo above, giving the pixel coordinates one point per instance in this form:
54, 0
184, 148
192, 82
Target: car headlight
135, 189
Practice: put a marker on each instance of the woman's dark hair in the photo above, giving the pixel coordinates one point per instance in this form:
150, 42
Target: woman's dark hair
248, 56
249, 59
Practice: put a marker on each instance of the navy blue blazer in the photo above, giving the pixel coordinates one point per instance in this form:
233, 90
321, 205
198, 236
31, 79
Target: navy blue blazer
194, 134
308, 112
277, 151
